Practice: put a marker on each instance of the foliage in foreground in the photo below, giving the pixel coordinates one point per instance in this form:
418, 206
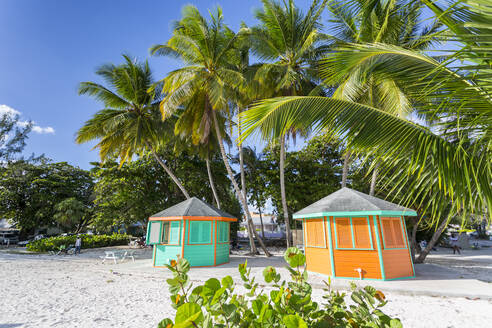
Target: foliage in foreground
88, 241
280, 304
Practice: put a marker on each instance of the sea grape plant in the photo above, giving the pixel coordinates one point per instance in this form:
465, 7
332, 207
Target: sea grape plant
277, 303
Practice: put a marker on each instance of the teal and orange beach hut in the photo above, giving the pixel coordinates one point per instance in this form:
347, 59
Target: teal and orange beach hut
193, 230
349, 234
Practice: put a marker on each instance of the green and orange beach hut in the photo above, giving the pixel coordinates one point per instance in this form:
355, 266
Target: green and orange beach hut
349, 234
192, 229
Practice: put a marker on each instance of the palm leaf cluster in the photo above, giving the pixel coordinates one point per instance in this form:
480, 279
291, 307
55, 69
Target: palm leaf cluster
446, 161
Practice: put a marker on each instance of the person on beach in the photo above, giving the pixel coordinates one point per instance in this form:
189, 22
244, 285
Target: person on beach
78, 244
454, 244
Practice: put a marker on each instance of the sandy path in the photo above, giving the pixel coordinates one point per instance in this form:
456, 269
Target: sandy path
43, 291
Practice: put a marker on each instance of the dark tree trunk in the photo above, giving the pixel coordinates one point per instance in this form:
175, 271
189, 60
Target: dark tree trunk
415, 248
432, 242
239, 194
285, 210
212, 184
346, 164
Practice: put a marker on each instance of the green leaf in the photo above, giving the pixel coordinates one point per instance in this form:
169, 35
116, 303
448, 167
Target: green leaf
294, 321
269, 274
165, 323
395, 323
210, 287
294, 257
227, 281
187, 314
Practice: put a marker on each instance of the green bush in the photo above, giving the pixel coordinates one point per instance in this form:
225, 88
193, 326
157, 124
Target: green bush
283, 304
88, 241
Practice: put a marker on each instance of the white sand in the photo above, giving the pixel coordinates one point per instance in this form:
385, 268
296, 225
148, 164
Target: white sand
47, 291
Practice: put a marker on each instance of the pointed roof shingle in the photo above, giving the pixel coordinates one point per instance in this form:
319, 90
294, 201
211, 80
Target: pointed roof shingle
349, 201
192, 207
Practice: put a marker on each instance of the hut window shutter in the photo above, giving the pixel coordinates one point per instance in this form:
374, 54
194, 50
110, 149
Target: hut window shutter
315, 233
200, 232
392, 233
344, 233
222, 232
174, 233
362, 238
154, 232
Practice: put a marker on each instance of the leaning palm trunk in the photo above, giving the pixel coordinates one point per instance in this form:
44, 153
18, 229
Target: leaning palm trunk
374, 180
432, 242
249, 226
239, 194
261, 222
346, 164
413, 238
212, 184
170, 173
282, 191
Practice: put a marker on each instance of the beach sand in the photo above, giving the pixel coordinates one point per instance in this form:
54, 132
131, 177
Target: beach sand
69, 291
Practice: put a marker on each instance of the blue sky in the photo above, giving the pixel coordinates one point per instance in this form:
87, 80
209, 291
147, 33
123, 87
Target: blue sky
49, 46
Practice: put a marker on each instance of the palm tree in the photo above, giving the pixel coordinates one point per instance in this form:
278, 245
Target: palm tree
291, 41
389, 22
208, 50
196, 136
130, 121
252, 172
453, 175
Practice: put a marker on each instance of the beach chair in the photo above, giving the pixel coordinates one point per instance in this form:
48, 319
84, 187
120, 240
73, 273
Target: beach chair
130, 254
109, 255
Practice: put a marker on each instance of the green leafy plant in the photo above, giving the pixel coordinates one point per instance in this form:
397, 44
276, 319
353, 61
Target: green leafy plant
288, 304
88, 241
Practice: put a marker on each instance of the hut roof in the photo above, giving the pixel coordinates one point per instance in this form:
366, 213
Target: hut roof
192, 207
347, 201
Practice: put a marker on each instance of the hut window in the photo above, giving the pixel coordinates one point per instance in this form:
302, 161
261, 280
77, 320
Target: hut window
344, 233
200, 232
362, 237
170, 232
153, 233
392, 233
222, 232
315, 233
353, 233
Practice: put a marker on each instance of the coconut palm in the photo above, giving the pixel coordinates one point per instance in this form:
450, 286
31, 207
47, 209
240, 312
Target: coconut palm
290, 41
455, 92
130, 122
195, 135
375, 21
207, 47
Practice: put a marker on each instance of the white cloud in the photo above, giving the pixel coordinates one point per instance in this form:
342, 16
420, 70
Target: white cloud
41, 130
4, 109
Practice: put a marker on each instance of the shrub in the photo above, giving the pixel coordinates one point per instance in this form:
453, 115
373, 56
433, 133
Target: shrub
88, 241
284, 304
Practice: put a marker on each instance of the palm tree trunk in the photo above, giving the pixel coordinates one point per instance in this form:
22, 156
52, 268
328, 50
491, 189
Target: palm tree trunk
261, 222
241, 166
249, 226
432, 242
346, 164
239, 194
413, 238
170, 173
212, 184
374, 179
282, 191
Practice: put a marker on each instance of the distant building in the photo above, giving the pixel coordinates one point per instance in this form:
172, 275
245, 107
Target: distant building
271, 228
9, 234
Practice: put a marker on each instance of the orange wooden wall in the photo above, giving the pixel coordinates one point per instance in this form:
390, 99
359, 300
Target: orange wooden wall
396, 262
347, 260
